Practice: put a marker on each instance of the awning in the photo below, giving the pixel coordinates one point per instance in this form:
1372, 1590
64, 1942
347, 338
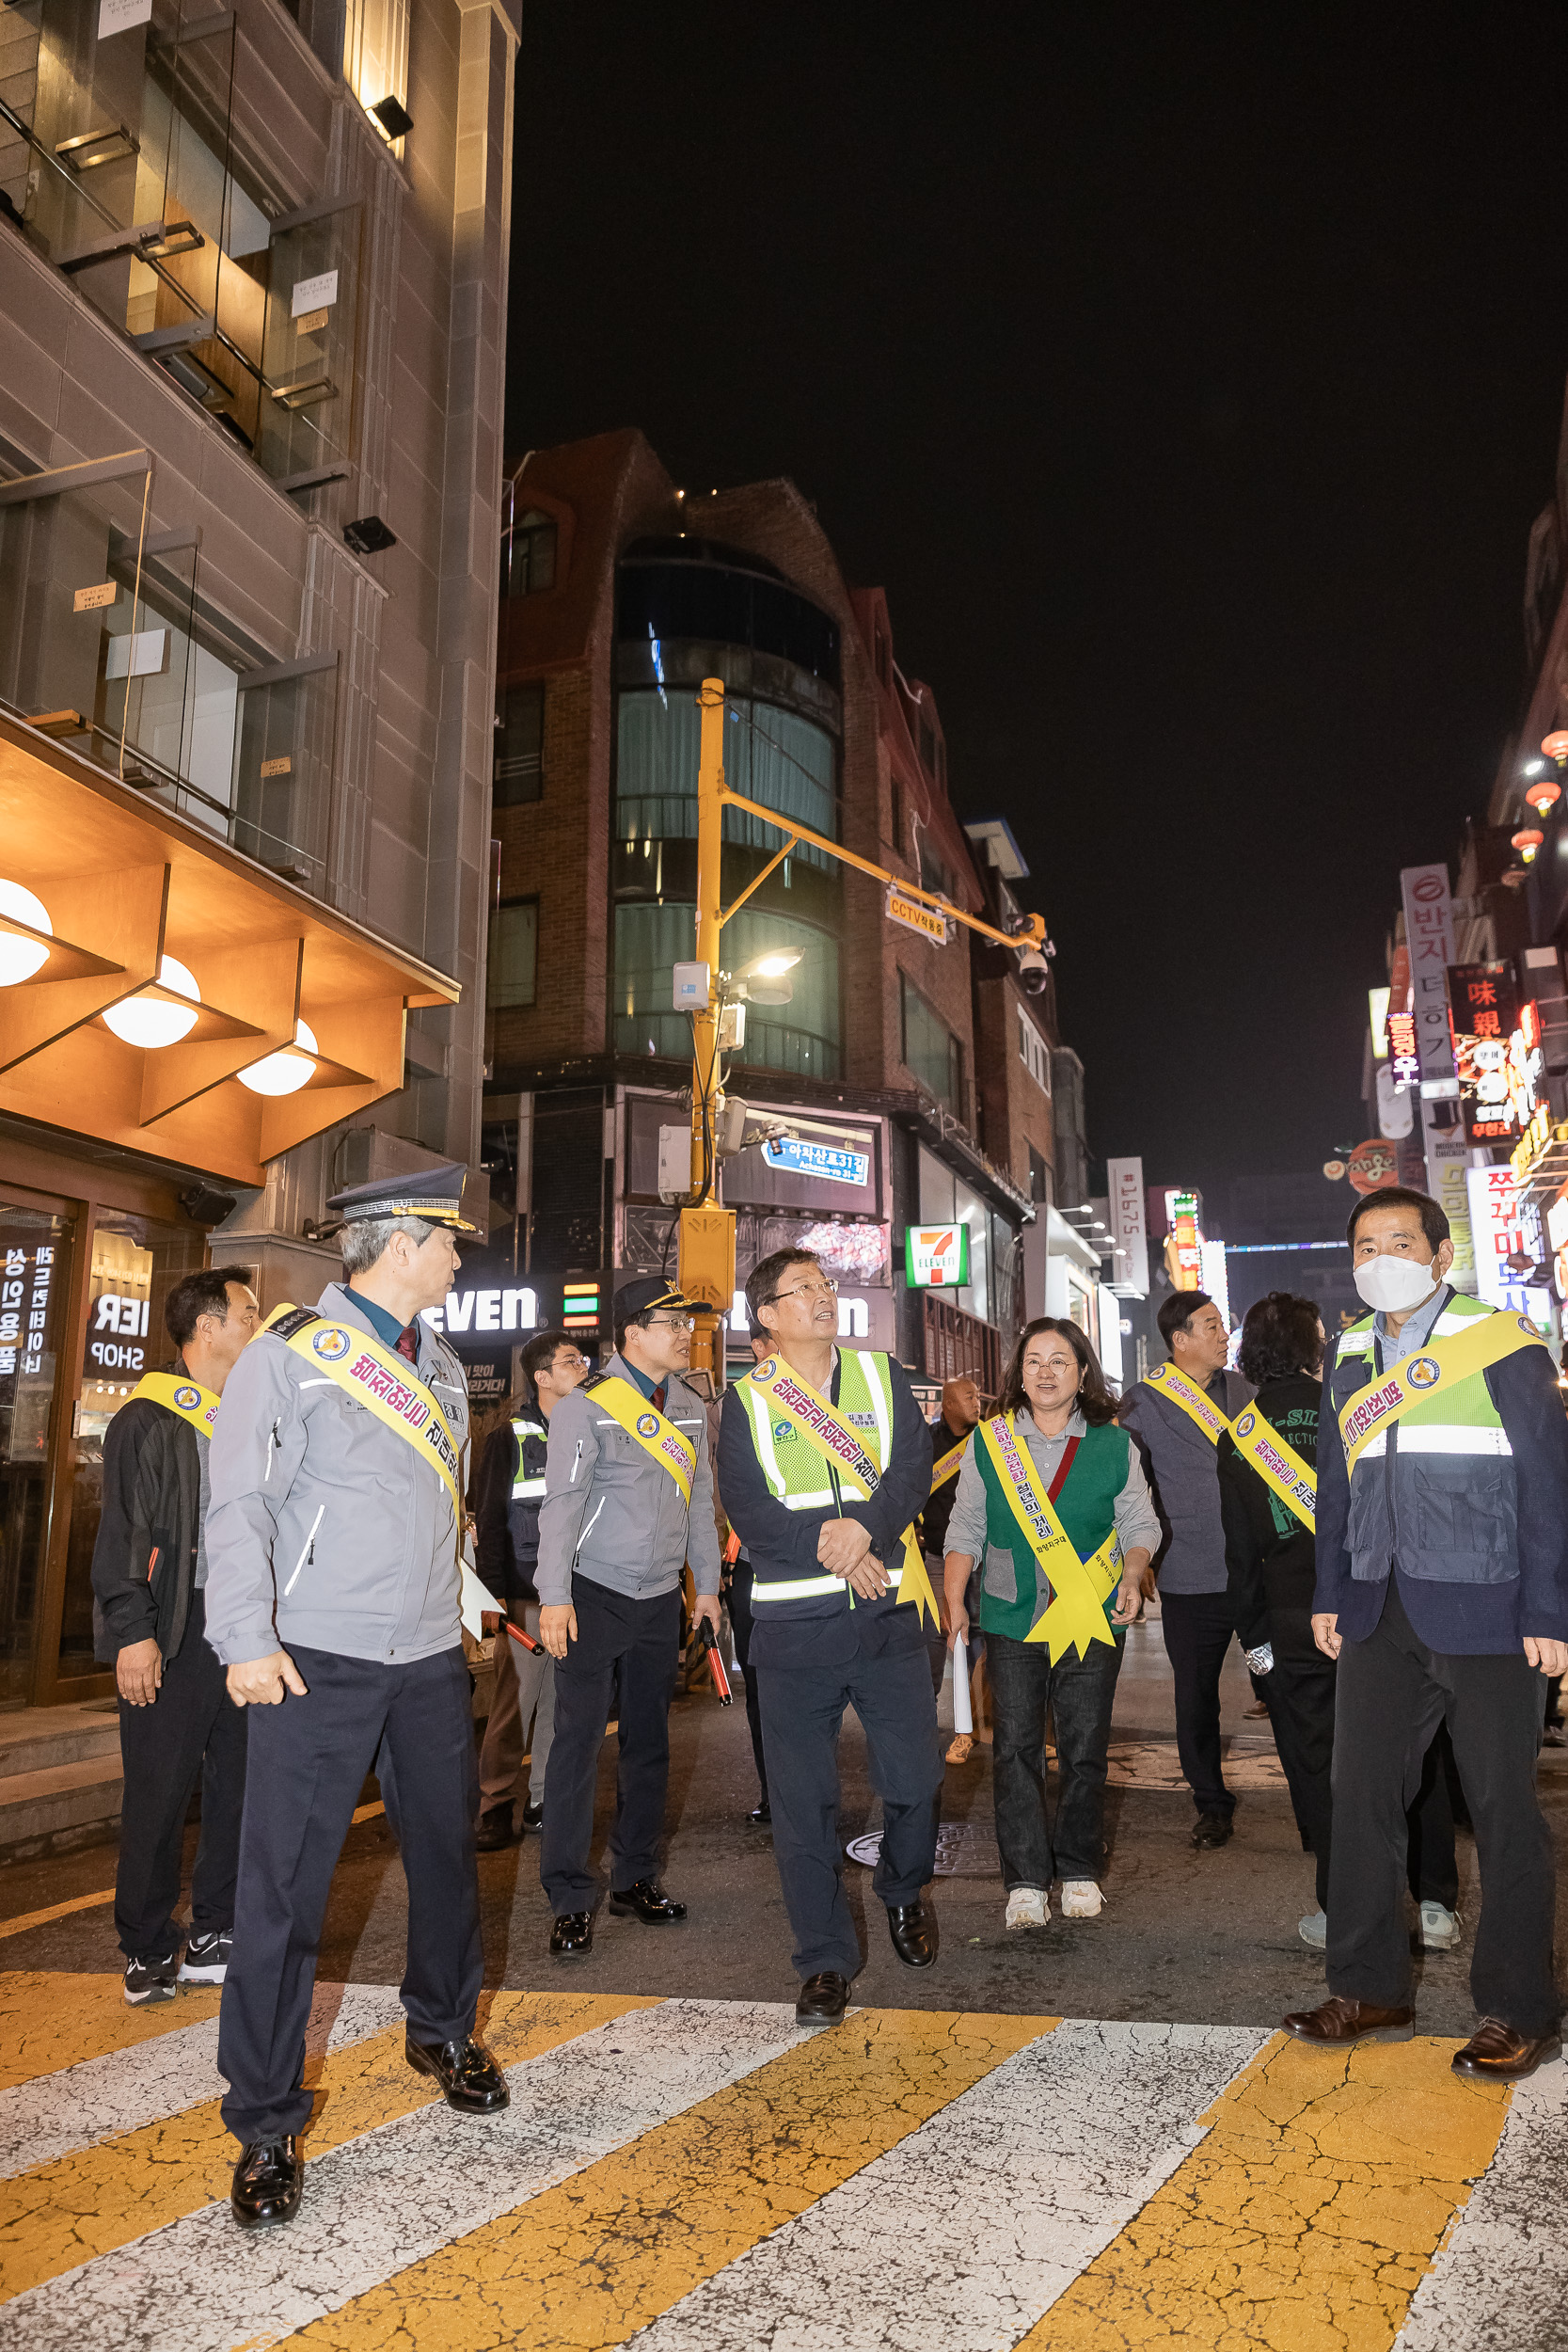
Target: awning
125, 882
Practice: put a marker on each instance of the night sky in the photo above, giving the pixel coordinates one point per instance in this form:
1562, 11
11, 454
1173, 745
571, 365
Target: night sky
1189, 377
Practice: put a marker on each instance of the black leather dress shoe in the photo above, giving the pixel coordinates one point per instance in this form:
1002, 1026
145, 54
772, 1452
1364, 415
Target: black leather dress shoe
914, 1930
646, 1901
495, 1829
469, 2079
533, 1814
761, 1816
1212, 1829
266, 2185
572, 1934
822, 2000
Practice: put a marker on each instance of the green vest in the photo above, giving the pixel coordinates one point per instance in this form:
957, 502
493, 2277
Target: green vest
1086, 1508
797, 1473
1458, 1421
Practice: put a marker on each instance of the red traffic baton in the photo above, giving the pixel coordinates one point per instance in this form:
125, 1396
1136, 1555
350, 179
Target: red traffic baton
527, 1640
716, 1664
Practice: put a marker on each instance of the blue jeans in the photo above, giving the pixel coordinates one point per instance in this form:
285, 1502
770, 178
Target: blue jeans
1079, 1693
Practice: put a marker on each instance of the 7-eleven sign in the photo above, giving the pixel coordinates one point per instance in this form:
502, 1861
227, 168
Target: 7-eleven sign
936, 1257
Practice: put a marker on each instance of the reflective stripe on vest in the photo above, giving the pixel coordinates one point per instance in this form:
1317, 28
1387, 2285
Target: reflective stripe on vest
864, 1387
526, 1489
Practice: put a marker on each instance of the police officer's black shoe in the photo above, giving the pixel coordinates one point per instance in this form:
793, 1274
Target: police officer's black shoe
469, 2079
533, 1814
646, 1899
572, 1934
495, 1828
914, 1930
822, 1999
266, 2185
761, 1816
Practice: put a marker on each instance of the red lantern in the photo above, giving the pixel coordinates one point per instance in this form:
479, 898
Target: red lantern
1556, 746
1528, 841
1542, 794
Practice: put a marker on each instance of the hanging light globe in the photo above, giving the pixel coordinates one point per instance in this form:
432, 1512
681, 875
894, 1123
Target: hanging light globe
1544, 794
288, 1070
1527, 841
146, 1021
20, 958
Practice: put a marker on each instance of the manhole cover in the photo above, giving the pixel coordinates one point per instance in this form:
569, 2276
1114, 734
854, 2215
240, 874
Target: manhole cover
965, 1849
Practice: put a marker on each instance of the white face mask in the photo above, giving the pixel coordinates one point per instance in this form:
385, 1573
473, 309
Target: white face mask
1394, 1284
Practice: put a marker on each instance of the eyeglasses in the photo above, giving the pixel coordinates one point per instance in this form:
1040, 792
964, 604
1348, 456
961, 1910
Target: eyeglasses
806, 1290
677, 1322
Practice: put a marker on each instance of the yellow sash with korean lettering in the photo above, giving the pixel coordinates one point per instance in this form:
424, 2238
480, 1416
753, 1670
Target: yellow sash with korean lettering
811, 1417
178, 1394
1277, 1463
947, 1465
379, 1378
653, 1433
1176, 1385
1080, 1588
1441, 1364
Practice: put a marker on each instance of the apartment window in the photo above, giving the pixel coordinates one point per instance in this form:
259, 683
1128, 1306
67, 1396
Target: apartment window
1033, 1053
932, 1052
528, 555
513, 953
519, 761
934, 874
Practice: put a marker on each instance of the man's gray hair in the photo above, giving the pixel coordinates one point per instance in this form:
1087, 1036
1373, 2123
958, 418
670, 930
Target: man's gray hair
363, 1241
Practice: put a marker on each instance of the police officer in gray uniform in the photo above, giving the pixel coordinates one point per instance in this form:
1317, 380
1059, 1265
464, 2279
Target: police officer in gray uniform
629, 1499
334, 1574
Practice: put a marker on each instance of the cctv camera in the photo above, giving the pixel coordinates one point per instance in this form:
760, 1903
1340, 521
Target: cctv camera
1034, 973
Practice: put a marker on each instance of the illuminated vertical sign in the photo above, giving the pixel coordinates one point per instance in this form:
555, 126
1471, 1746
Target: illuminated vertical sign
1183, 1250
1506, 1226
1129, 1228
1429, 941
1214, 1280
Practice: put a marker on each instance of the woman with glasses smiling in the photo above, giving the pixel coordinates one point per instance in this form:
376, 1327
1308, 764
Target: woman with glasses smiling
1052, 1463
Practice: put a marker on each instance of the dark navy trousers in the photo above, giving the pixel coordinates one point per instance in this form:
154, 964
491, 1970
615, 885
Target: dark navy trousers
641, 1639
802, 1708
308, 1762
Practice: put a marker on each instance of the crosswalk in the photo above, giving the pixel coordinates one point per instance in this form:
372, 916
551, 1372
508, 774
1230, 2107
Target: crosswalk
699, 2176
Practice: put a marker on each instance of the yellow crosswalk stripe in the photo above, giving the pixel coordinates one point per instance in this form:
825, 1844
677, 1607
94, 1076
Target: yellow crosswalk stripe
1307, 2218
48, 2021
88, 2203
589, 2262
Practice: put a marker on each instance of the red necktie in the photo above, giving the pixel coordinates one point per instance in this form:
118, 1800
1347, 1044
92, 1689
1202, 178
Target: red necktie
657, 1399
407, 1346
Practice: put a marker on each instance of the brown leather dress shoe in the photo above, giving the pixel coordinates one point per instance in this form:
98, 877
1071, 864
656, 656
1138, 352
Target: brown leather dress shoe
1337, 2023
1496, 2054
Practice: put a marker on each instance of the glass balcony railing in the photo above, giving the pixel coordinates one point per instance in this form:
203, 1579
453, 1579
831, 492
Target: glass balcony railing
116, 157
106, 643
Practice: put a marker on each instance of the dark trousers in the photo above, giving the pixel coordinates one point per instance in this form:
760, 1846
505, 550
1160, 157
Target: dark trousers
308, 1758
740, 1626
1393, 1694
192, 1731
641, 1638
1198, 1630
802, 1708
1301, 1708
1078, 1694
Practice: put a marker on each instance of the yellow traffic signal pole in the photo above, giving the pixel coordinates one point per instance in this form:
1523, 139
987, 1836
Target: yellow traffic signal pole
707, 1228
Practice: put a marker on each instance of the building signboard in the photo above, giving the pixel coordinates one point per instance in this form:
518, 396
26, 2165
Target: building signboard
1506, 1226
1129, 1228
1184, 1248
1429, 942
915, 916
936, 1257
1486, 1014
802, 1158
1404, 1059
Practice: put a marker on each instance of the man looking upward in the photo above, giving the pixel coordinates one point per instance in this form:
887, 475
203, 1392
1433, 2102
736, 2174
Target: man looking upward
1176, 1423
824, 1461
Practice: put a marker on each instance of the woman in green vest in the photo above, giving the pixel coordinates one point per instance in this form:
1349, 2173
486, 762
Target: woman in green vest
1053, 1500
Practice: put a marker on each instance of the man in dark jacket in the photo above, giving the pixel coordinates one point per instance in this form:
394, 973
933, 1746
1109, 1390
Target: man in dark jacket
1175, 1417
506, 1507
177, 1721
1442, 1542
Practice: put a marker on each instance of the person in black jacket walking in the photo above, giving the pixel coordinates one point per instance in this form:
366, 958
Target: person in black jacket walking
506, 1507
177, 1721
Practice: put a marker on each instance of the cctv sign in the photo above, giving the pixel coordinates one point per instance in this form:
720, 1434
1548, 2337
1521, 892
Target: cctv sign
936, 1257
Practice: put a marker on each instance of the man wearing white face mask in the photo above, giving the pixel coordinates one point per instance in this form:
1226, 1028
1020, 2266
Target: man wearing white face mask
1442, 1566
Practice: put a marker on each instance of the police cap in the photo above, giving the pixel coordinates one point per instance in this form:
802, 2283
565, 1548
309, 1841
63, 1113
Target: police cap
434, 1194
645, 1293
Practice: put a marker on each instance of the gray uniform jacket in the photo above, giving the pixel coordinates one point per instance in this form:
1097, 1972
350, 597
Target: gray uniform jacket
1184, 1469
326, 1527
614, 1514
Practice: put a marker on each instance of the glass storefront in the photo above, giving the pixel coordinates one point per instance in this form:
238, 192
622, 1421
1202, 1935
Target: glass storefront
35, 1294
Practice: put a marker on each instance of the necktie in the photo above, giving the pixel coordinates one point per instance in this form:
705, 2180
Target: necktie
407, 1346
657, 1399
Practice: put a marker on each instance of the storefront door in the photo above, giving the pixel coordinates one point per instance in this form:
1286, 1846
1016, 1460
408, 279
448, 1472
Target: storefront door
37, 1243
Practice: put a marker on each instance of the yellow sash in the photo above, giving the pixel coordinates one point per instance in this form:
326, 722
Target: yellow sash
1081, 1588
1278, 1464
178, 1394
1432, 1369
1174, 1384
654, 1434
813, 1418
379, 1378
946, 1466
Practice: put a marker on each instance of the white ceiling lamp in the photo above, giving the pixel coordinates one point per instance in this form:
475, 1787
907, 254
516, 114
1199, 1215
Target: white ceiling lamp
147, 1021
20, 958
288, 1070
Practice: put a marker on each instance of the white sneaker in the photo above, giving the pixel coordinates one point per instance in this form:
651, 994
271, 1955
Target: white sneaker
1080, 1899
1027, 1908
1439, 1928
1313, 1930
